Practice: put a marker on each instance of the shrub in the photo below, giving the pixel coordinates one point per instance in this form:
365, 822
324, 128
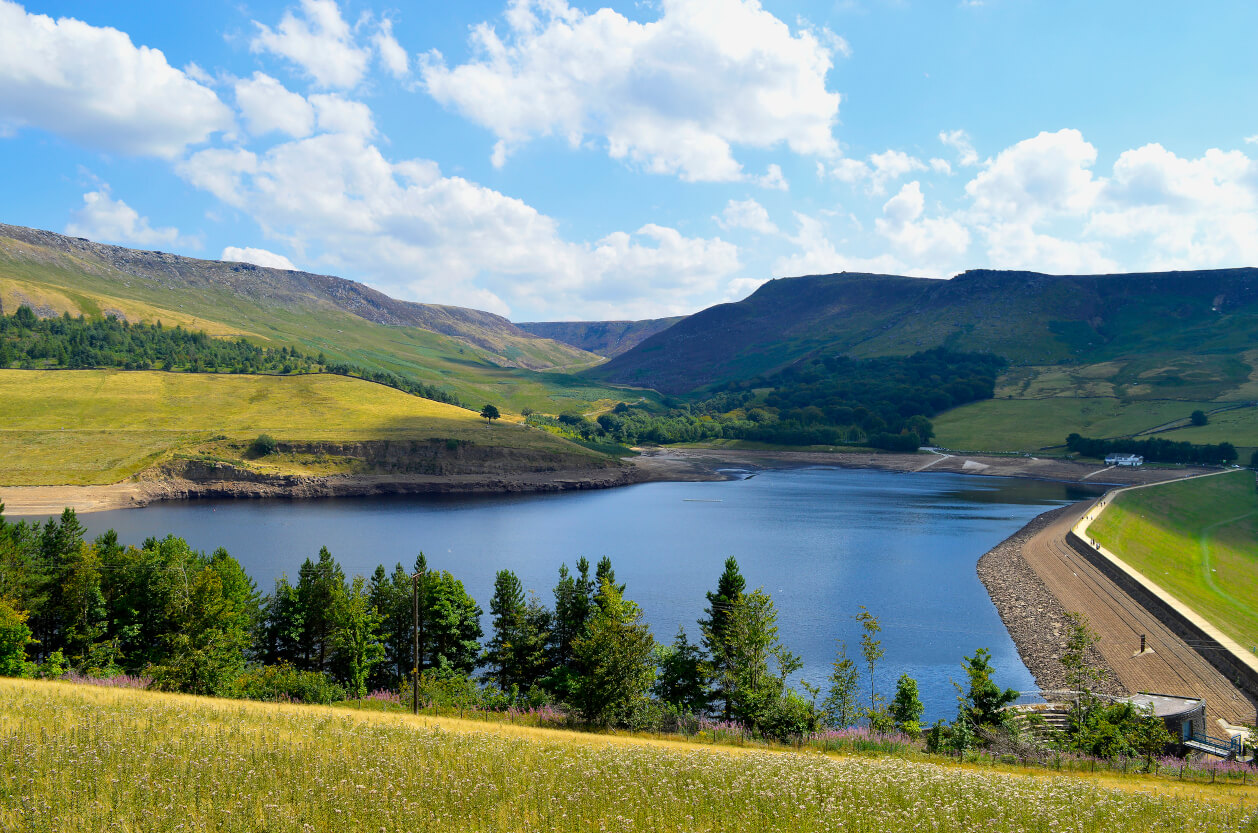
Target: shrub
262, 446
283, 682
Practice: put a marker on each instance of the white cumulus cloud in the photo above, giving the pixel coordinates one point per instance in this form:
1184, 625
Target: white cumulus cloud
817, 254
258, 257
94, 86
746, 214
420, 234
267, 105
1045, 175
877, 171
959, 141
391, 53
105, 219
674, 95
319, 41
937, 244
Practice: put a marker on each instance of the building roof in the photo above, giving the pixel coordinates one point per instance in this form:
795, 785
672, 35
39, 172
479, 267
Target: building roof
1165, 705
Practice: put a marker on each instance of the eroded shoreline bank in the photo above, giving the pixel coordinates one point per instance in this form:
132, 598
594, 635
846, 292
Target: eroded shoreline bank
653, 464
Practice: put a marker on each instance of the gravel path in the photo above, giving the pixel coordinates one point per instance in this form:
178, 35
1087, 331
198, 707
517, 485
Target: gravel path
1049, 566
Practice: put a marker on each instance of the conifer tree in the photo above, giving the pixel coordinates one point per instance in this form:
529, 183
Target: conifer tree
715, 629
683, 680
615, 656
320, 587
906, 707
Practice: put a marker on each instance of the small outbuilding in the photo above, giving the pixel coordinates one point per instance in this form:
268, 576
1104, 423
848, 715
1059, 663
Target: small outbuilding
1124, 460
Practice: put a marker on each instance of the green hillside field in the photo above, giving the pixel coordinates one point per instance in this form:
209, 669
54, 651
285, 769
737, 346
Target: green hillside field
93, 759
1034, 424
79, 427
54, 282
1196, 538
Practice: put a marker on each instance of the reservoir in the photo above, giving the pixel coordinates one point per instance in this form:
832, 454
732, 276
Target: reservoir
821, 541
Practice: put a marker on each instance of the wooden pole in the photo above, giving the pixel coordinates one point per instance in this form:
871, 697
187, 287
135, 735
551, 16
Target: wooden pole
415, 645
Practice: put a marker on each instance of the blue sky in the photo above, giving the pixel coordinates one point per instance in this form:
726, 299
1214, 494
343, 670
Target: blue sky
553, 160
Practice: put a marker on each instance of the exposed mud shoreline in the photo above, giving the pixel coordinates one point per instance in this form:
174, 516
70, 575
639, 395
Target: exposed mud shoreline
46, 500
702, 463
656, 464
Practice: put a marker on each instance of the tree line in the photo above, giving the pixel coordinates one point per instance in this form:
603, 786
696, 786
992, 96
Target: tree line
883, 403
196, 623
1155, 450
68, 342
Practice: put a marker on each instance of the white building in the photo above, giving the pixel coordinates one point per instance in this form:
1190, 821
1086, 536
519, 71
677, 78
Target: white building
1124, 460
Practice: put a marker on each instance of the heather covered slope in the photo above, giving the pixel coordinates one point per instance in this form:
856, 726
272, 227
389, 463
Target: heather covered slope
1149, 335
604, 338
782, 322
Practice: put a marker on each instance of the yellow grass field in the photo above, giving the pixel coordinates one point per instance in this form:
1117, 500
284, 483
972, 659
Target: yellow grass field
93, 759
81, 427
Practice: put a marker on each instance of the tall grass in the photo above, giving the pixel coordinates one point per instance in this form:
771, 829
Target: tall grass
89, 759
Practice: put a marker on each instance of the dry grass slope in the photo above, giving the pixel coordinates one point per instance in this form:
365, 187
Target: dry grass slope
100, 426
83, 759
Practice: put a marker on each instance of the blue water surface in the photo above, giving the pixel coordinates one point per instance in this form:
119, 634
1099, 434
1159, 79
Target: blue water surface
822, 541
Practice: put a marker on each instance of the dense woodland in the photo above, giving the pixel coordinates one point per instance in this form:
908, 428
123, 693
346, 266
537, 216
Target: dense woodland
196, 623
66, 342
884, 403
1154, 450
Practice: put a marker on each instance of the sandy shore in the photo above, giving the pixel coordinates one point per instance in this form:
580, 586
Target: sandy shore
652, 464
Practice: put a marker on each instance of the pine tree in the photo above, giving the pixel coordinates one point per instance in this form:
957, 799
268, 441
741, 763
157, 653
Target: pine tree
906, 707
320, 588
615, 656
683, 681
715, 630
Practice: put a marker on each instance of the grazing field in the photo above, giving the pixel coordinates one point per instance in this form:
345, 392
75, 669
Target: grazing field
80, 427
1198, 539
1033, 424
93, 759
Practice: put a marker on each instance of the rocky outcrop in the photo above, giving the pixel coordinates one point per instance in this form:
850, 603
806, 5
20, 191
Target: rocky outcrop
212, 479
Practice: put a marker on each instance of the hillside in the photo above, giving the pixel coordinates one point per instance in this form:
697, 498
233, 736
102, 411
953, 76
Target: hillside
603, 338
474, 355
1126, 353
100, 426
781, 322
282, 287
1140, 321
95, 759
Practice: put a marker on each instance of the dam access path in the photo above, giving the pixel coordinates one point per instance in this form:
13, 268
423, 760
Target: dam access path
1168, 665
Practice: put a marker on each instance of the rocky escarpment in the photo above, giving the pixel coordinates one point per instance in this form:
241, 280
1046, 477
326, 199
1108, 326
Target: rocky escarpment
446, 457
1035, 619
199, 478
